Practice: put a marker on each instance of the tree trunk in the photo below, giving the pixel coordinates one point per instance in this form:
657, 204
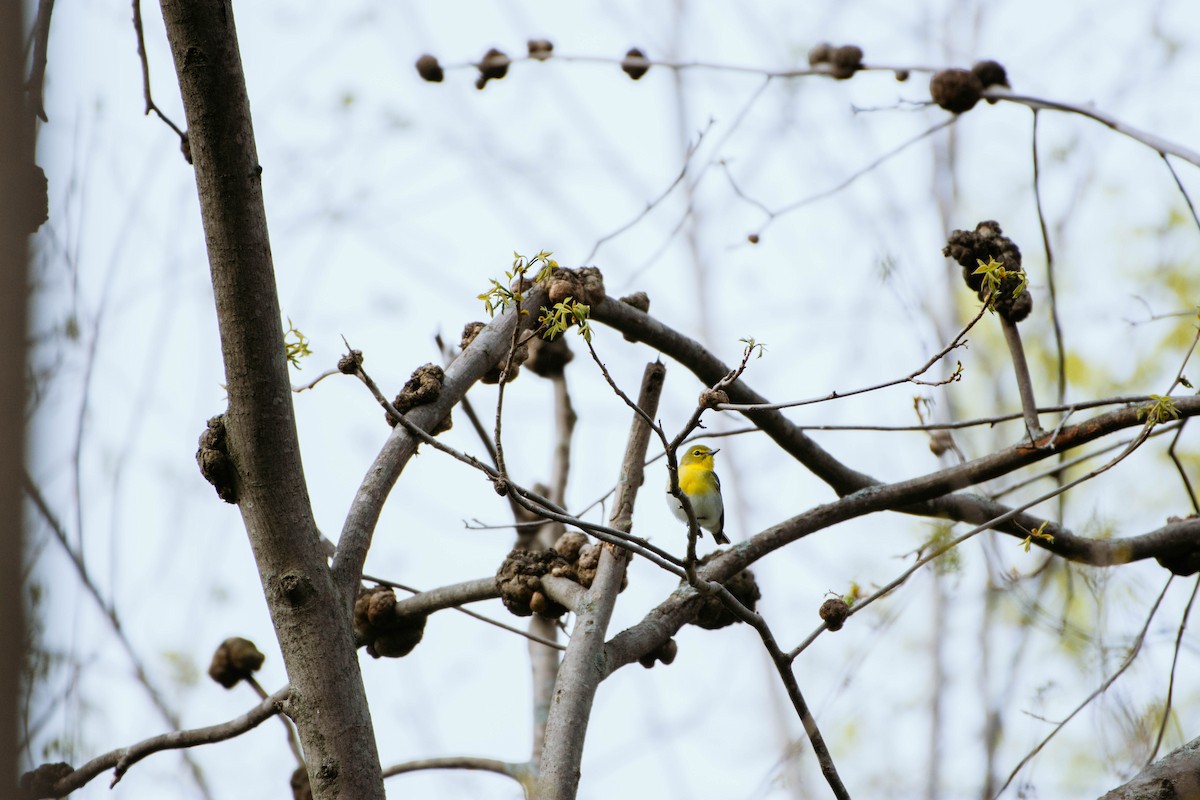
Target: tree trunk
328, 701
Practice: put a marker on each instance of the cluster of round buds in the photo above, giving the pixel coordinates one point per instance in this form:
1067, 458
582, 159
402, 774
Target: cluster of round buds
380, 629
842, 61
519, 581
986, 244
958, 90
584, 285
495, 63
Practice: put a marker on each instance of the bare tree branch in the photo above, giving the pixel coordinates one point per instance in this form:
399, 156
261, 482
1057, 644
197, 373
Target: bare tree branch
1134, 649
580, 673
520, 773
487, 349
121, 759
1156, 143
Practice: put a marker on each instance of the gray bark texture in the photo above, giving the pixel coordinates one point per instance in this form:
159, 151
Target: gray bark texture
1175, 776
328, 701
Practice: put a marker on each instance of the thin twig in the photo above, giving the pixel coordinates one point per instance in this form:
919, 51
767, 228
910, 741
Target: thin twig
1155, 143
307, 386
109, 612
1183, 191
1060, 349
121, 759
1134, 649
1187, 483
652, 204
37, 70
528, 499
854, 176
150, 104
517, 771
938, 552
912, 377
1162, 729
284, 719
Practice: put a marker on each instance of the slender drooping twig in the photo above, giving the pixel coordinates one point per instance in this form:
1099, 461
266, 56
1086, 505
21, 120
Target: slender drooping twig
1134, 650
37, 70
109, 612
1162, 728
184, 145
121, 759
1051, 284
958, 341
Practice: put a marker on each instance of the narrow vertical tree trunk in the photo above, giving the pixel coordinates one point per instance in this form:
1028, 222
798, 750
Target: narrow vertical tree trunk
328, 701
17, 199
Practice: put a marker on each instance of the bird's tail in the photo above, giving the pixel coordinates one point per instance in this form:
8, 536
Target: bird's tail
720, 538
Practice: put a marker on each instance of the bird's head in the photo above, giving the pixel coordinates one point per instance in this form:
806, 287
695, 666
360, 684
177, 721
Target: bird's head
698, 454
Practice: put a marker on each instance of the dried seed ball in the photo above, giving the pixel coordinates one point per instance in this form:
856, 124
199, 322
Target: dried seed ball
429, 69
665, 653
349, 363
39, 208
469, 332
377, 626
213, 459
40, 781
710, 398
712, 612
569, 545
494, 65
639, 300
584, 284
541, 49
520, 577
846, 61
234, 660
301, 789
548, 357
990, 73
634, 64
956, 90
834, 611
820, 54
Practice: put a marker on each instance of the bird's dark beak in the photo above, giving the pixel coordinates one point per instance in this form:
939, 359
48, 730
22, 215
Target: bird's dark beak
714, 452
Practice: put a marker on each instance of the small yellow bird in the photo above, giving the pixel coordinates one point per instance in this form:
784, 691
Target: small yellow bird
703, 489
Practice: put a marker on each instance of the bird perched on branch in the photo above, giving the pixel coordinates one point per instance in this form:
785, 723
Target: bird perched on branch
703, 489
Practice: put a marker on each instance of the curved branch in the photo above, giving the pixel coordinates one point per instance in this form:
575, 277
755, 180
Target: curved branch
489, 346
1176, 545
1156, 143
121, 759
518, 772
925, 496
443, 597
